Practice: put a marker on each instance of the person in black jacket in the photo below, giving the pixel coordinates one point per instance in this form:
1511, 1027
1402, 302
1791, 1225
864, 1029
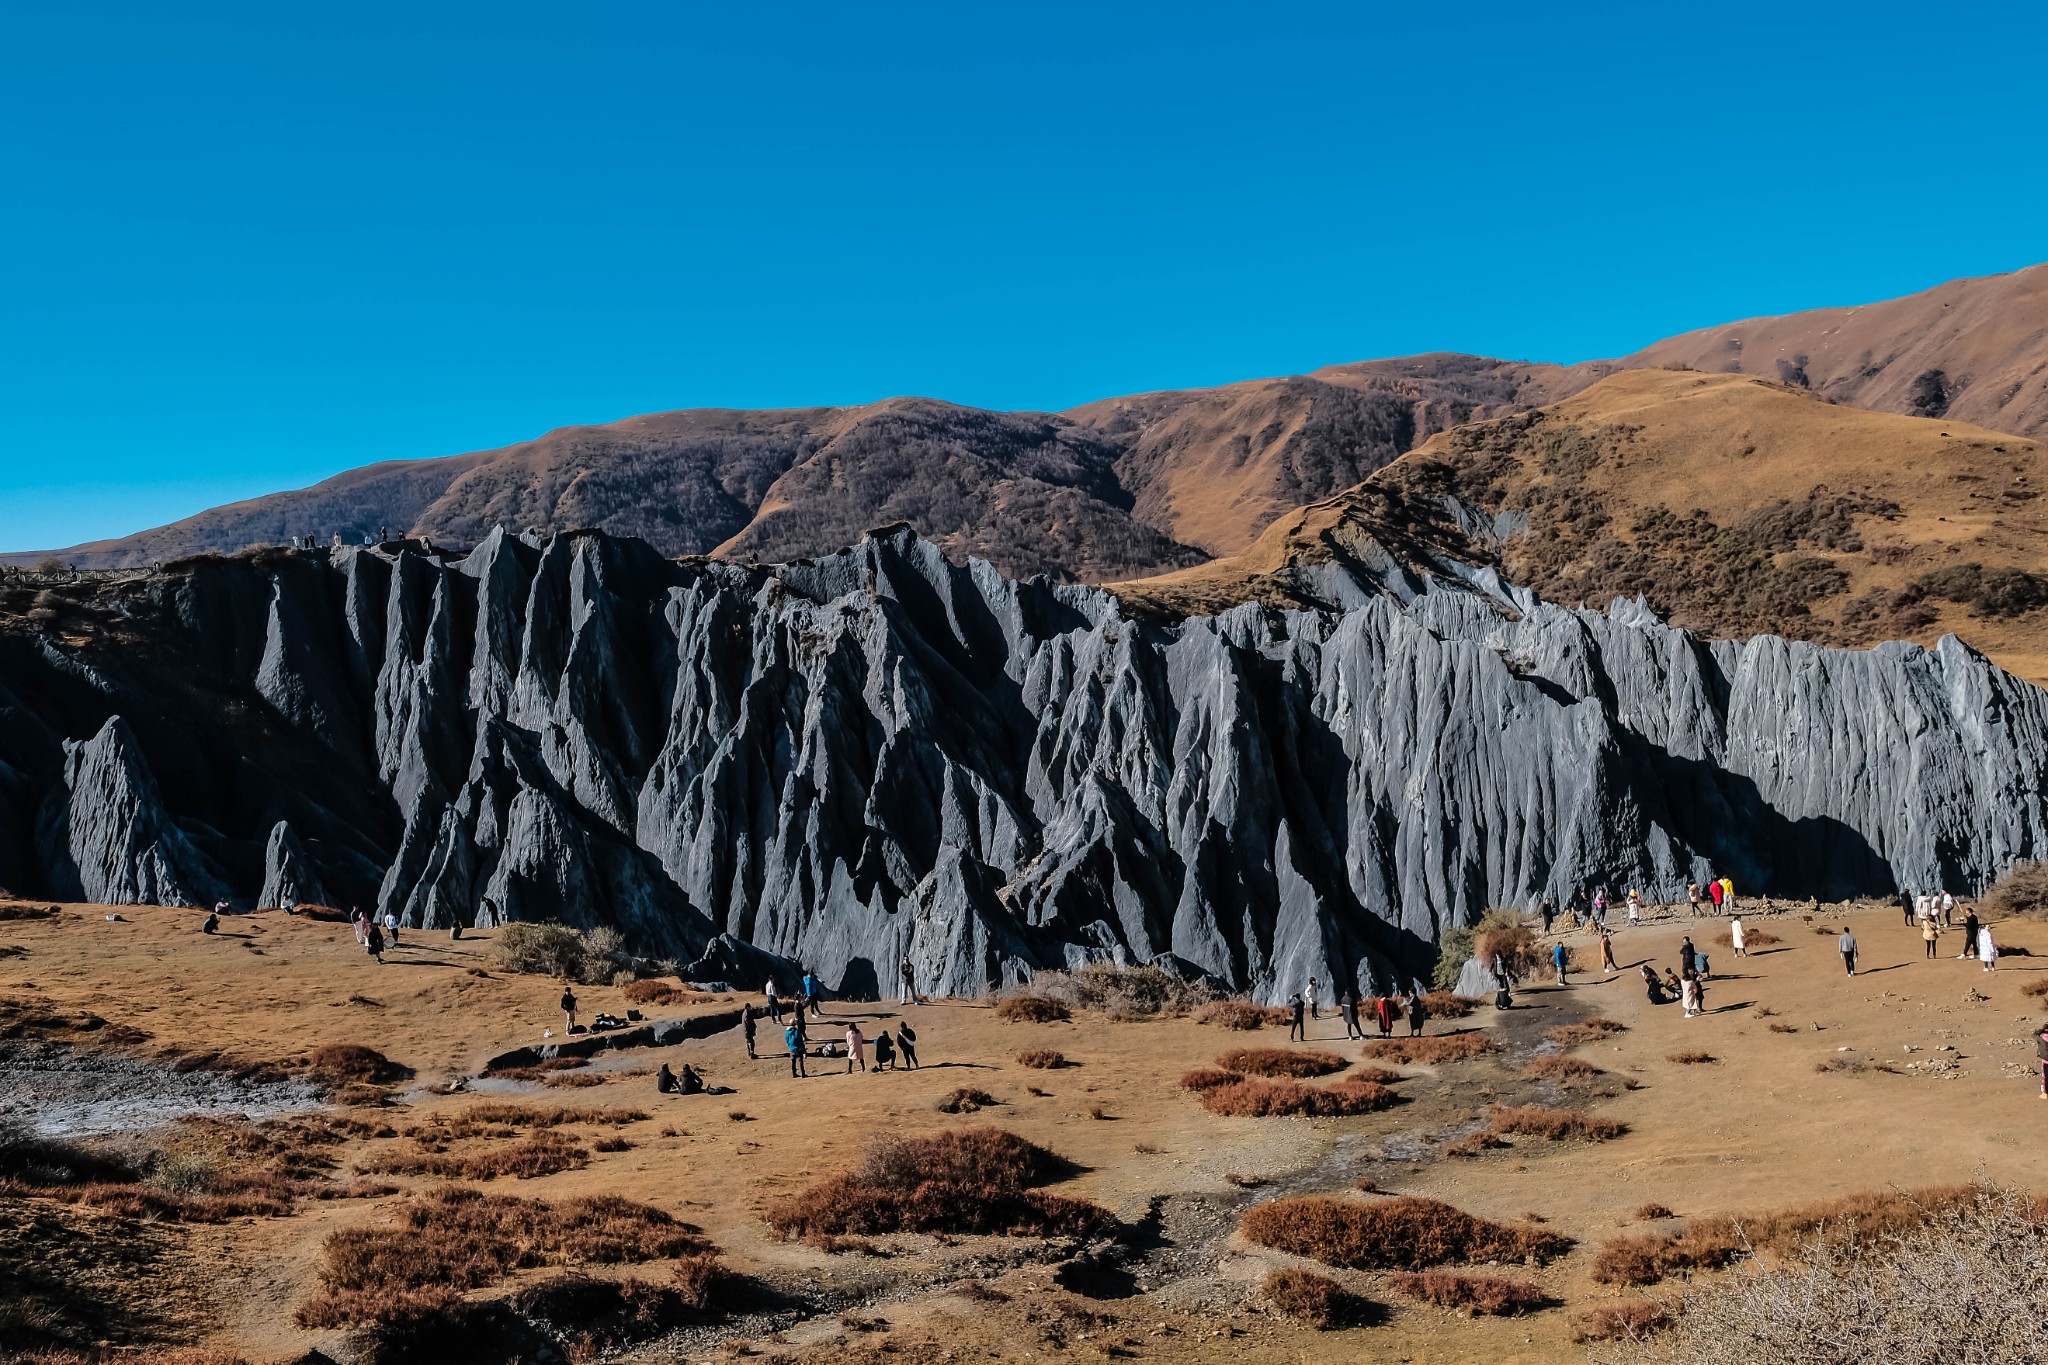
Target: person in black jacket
1418, 1015
568, 1006
906, 1043
747, 1027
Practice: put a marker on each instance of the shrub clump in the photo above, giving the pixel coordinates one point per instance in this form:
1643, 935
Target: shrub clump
1691, 1057
1631, 1320
1278, 1061
543, 1154
1042, 1059
2023, 890
1032, 1009
967, 1100
978, 1180
1307, 1297
1402, 1233
457, 1238
1449, 1004
346, 1063
1563, 1070
1239, 1097
1123, 993
1445, 1047
1242, 1015
608, 1314
592, 956
1557, 1125
1475, 1294
1585, 1031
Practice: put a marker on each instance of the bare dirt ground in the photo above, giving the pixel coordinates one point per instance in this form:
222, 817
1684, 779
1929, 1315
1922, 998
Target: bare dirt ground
1756, 1129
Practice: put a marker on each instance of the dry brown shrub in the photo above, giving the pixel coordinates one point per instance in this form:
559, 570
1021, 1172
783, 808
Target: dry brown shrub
1557, 1125
1650, 1213
2021, 891
1751, 938
979, 1181
1208, 1078
1241, 1098
1242, 1015
659, 993
1445, 1047
1691, 1057
341, 1063
542, 1154
1042, 1059
1402, 1233
1471, 1146
1031, 1009
1784, 1028
1650, 1258
967, 1100
1845, 1063
458, 1238
1306, 1297
1502, 934
1449, 1004
1629, 1320
1278, 1061
499, 1119
1476, 1294
574, 1080
540, 1070
1585, 1031
2036, 989
1564, 1070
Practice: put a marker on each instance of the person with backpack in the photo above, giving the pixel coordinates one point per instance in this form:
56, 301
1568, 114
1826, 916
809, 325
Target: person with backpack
793, 1039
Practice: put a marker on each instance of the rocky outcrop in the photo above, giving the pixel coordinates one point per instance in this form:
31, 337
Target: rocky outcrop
288, 875
878, 754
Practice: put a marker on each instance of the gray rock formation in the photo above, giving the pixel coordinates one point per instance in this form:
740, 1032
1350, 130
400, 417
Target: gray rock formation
288, 875
847, 760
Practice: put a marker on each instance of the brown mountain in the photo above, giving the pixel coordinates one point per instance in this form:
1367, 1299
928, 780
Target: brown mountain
1734, 505
1120, 488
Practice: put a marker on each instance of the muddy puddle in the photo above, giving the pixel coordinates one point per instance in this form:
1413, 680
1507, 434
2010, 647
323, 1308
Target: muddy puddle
65, 1091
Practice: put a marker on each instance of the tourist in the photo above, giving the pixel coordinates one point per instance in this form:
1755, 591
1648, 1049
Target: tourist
211, 924
1923, 908
1987, 951
906, 1044
1297, 1029
1688, 957
1672, 986
1736, 938
1560, 958
2041, 1053
362, 927
1607, 954
906, 991
885, 1051
793, 1039
1948, 910
374, 941
690, 1083
1549, 912
1847, 943
1383, 1015
1929, 932
1907, 901
856, 1048
1689, 994
1635, 907
1692, 898
1714, 893
1308, 996
664, 1081
810, 984
1600, 908
1971, 924
1653, 989
1418, 1014
1728, 895
747, 1027
568, 1009
774, 1001
1347, 1010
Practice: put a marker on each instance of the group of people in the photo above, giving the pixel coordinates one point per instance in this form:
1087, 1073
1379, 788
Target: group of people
1386, 1011
893, 1051
1935, 914
1588, 910
373, 935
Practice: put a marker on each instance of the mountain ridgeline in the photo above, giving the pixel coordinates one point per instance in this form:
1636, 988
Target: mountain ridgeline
881, 752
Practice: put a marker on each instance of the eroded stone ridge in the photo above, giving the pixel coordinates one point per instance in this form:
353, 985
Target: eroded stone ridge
844, 760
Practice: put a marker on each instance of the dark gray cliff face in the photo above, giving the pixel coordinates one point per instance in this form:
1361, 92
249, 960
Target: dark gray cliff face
845, 760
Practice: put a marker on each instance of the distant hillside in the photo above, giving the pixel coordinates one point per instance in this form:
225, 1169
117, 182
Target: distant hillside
1969, 350
1734, 505
1120, 488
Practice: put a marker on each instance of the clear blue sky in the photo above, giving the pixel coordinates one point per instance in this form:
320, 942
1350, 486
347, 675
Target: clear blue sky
247, 246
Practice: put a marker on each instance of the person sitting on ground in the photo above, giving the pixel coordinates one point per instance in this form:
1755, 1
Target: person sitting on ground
211, 925
1653, 988
690, 1083
1672, 987
885, 1051
665, 1081
906, 1044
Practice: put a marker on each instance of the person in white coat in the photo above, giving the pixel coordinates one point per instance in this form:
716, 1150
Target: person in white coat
1735, 936
1987, 951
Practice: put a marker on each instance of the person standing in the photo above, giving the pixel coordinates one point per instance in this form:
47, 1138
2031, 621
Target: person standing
793, 1039
568, 1010
1308, 996
1560, 958
1728, 895
2041, 1052
1692, 898
1688, 957
856, 1048
906, 1044
1929, 933
1549, 912
1607, 954
906, 993
1635, 907
1948, 910
373, 940
1714, 893
1297, 1029
1418, 1014
1847, 943
1971, 924
774, 1001
1735, 937
1383, 1015
1987, 951
747, 1027
810, 1000
1689, 994
1906, 903
1347, 1006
